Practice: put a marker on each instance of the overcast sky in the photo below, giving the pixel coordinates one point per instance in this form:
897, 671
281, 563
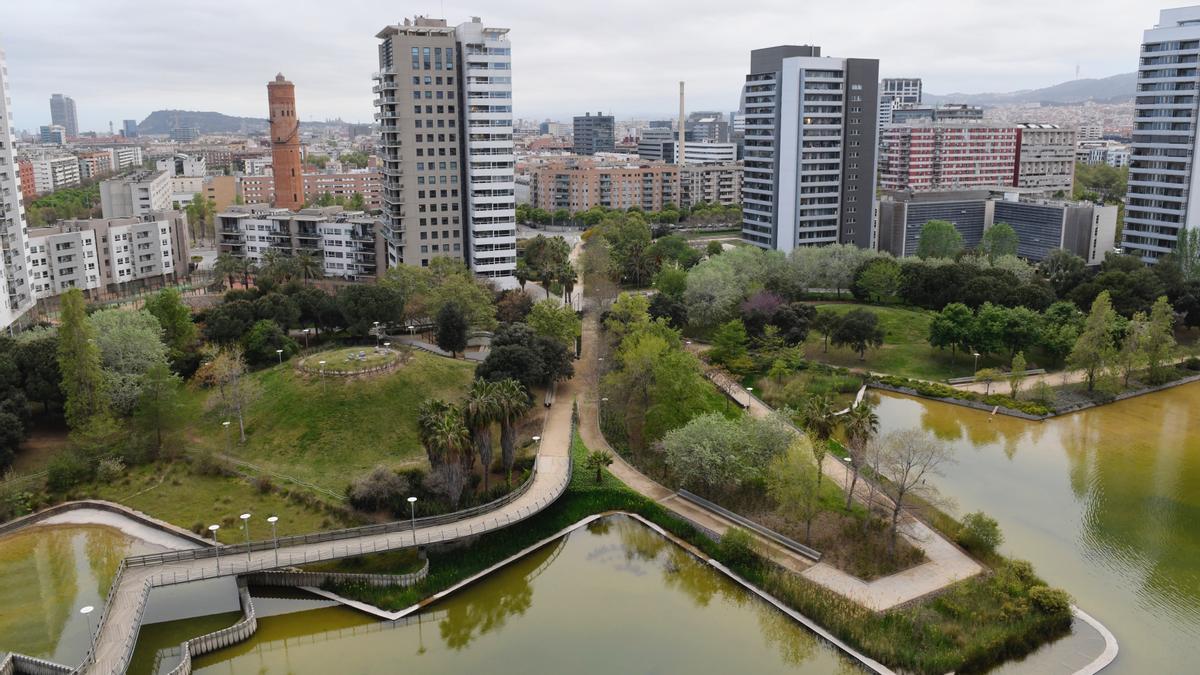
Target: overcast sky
125, 58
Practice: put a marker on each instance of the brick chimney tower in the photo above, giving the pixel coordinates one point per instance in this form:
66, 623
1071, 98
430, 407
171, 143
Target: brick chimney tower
285, 144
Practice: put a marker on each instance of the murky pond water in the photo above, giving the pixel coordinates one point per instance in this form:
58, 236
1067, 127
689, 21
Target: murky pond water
609, 598
1105, 503
47, 573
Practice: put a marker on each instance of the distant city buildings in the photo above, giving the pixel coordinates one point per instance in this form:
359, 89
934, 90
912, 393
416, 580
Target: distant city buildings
137, 194
810, 148
578, 184
53, 134
707, 127
594, 133
894, 91
436, 201
185, 134
710, 184
904, 113
345, 242
1162, 164
1111, 153
62, 113
286, 166
260, 189
129, 128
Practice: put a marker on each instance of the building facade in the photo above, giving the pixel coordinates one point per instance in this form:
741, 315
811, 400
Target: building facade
445, 111
95, 164
653, 140
62, 113
137, 194
933, 157
594, 133
1162, 169
710, 183
285, 144
1045, 158
15, 295
54, 134
894, 91
129, 128
581, 183
903, 113
345, 241
810, 148
54, 173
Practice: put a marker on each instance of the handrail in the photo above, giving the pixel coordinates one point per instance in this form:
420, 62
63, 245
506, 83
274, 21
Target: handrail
786, 542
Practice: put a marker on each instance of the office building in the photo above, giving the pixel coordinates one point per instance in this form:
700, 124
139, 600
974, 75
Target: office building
1162, 171
62, 113
182, 164
447, 145
809, 148
1085, 229
53, 134
894, 91
905, 113
594, 133
129, 128
933, 157
286, 163
1090, 132
652, 142
345, 241
15, 296
700, 152
107, 255
52, 173
578, 184
710, 184
185, 134
707, 127
137, 194
1045, 158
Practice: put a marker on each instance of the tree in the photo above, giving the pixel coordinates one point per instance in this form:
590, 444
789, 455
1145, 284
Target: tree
451, 329
908, 458
1159, 339
877, 280
460, 288
179, 331
513, 305
512, 402
1093, 350
826, 322
130, 343
729, 343
713, 248
952, 327
987, 330
1016, 372
79, 361
278, 308
37, 361
555, 321
703, 454
227, 371
859, 330
999, 240
980, 533
860, 424
544, 256
263, 339
671, 281
228, 322
1061, 324
597, 460
364, 304
308, 266
446, 438
820, 420
1064, 270
481, 410
158, 410
1131, 355
794, 482
939, 239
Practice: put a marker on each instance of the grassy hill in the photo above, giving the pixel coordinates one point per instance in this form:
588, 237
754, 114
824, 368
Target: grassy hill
328, 433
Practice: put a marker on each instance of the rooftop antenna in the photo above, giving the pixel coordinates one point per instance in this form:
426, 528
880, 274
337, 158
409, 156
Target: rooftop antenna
1077, 71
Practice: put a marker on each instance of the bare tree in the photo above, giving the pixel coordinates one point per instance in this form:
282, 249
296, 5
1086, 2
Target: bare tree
227, 372
908, 458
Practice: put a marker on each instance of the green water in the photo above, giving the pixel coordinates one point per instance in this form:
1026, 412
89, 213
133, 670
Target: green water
1105, 503
47, 573
614, 597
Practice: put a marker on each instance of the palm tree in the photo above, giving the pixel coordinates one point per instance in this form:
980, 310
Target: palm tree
820, 420
567, 277
522, 272
273, 264
308, 266
512, 401
227, 266
429, 415
449, 439
480, 411
861, 424
247, 267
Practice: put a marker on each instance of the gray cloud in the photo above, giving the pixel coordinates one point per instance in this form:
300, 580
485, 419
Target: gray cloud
124, 58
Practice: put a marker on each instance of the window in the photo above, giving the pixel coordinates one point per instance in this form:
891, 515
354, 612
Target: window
437, 57
416, 62
425, 57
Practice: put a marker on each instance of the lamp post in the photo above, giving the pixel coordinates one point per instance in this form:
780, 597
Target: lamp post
323, 387
306, 338
225, 424
86, 611
412, 506
376, 335
279, 353
849, 464
274, 537
749, 396
217, 547
976, 355
246, 526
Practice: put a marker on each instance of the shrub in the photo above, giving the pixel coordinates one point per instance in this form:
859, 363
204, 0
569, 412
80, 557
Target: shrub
736, 549
209, 465
980, 533
938, 390
380, 489
67, 470
263, 484
1193, 363
1050, 601
109, 469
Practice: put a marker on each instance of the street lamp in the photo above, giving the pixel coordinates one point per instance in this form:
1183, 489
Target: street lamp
86, 612
274, 537
323, 387
217, 547
246, 526
849, 464
749, 396
376, 334
976, 355
412, 506
225, 424
279, 352
306, 338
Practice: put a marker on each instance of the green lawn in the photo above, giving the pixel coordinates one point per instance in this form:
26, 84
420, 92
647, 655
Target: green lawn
905, 351
327, 432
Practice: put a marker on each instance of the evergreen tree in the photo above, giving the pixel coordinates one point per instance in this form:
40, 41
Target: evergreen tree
1093, 350
79, 361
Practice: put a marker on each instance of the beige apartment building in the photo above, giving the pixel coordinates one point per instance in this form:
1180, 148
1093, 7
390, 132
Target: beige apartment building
578, 184
711, 184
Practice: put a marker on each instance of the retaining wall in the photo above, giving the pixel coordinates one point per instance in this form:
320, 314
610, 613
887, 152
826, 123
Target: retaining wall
219, 639
17, 664
298, 579
101, 505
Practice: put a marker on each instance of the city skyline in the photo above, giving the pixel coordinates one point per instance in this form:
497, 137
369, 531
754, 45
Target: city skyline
966, 50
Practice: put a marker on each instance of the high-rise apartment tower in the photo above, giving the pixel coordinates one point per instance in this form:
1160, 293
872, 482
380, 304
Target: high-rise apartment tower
444, 107
62, 113
810, 148
15, 296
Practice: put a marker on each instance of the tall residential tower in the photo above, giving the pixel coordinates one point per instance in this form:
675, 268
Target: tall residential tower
286, 169
445, 111
1162, 169
62, 113
15, 296
810, 148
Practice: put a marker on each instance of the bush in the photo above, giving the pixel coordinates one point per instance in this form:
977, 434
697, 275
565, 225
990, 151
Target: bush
109, 469
938, 390
1193, 363
67, 470
980, 533
209, 465
381, 489
262, 484
736, 549
1050, 601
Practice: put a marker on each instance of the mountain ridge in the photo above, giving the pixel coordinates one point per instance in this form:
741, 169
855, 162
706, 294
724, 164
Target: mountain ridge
1111, 89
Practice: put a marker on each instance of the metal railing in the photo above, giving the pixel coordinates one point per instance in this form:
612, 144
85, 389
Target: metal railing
786, 542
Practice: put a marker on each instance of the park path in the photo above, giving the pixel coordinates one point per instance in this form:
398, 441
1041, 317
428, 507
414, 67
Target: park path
1054, 379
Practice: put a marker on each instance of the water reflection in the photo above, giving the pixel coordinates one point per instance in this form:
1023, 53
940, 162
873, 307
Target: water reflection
1105, 502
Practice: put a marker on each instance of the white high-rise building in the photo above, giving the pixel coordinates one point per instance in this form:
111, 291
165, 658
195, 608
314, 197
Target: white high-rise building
1162, 170
810, 148
895, 91
15, 296
447, 145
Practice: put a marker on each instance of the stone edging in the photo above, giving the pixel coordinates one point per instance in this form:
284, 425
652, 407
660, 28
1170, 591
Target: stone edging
101, 505
220, 639
1110, 644
300, 579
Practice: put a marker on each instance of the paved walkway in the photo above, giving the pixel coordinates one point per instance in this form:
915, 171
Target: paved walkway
1001, 386
118, 631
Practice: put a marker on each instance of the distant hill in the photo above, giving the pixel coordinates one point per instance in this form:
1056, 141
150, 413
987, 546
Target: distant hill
1114, 89
163, 121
